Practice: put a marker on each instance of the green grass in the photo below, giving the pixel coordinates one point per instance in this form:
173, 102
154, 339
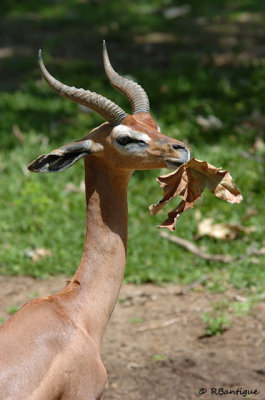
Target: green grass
158, 357
223, 314
217, 320
12, 310
183, 80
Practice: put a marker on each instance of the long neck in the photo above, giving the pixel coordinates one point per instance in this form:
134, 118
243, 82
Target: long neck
101, 270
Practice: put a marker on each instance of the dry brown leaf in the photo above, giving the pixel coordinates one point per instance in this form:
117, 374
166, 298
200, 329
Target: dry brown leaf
175, 12
37, 254
240, 299
71, 187
18, 134
189, 181
211, 122
222, 231
258, 145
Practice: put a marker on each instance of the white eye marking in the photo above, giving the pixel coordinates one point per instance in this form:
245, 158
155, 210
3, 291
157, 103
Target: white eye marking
87, 144
122, 130
131, 149
45, 168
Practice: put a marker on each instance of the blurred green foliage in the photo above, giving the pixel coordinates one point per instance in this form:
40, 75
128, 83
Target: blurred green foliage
207, 61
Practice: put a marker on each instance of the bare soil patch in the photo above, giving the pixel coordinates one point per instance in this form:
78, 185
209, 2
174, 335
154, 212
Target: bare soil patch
154, 346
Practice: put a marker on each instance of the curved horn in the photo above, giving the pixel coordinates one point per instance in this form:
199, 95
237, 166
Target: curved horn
106, 108
131, 90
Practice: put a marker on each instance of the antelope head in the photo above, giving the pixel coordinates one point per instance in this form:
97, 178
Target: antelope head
124, 142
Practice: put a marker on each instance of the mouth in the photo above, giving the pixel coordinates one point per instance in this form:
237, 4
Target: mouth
174, 163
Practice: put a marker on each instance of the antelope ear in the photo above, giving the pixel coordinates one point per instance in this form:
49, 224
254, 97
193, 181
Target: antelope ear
62, 158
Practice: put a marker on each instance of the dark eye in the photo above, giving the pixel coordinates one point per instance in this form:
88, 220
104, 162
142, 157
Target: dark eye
123, 140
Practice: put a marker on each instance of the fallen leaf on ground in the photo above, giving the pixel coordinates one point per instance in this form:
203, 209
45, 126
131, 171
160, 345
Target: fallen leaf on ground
222, 231
37, 254
175, 12
71, 187
211, 122
18, 134
240, 299
189, 181
258, 145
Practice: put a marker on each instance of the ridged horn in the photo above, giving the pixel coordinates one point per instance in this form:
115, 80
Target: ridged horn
103, 106
130, 89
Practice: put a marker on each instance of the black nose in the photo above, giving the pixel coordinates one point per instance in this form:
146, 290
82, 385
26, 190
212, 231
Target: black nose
177, 146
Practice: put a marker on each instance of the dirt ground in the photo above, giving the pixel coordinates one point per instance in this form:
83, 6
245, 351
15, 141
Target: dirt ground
155, 349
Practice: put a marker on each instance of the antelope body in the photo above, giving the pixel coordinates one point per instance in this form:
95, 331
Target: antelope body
50, 349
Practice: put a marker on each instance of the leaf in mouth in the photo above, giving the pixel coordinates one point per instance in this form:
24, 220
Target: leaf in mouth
189, 181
